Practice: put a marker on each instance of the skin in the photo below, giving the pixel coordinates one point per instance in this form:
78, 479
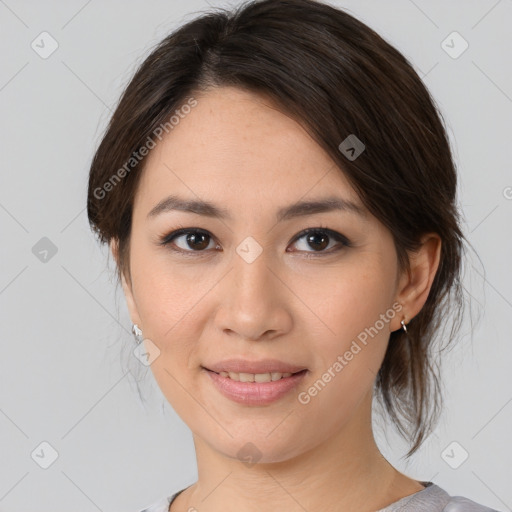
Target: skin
240, 152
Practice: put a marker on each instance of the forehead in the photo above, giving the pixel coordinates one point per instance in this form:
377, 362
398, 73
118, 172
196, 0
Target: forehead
238, 148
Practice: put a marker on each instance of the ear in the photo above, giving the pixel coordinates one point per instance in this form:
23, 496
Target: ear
414, 286
127, 288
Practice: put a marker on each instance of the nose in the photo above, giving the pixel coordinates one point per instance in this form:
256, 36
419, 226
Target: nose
253, 300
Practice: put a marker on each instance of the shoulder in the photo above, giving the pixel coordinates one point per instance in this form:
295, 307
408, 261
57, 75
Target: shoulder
435, 499
159, 506
431, 496
461, 504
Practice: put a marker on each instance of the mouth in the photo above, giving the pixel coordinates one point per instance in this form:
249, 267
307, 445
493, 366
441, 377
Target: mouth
260, 389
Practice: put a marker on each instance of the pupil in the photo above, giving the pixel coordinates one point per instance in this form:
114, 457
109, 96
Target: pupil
191, 239
317, 238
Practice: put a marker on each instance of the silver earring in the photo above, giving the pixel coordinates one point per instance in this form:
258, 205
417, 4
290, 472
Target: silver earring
403, 326
137, 333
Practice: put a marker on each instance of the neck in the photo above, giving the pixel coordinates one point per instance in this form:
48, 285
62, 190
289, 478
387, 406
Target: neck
345, 472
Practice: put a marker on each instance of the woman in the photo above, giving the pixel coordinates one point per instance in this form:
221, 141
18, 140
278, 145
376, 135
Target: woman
277, 189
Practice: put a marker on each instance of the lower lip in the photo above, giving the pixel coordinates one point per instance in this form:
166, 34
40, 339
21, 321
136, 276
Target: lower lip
255, 393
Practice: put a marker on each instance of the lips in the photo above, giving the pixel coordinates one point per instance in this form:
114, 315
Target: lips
254, 367
255, 393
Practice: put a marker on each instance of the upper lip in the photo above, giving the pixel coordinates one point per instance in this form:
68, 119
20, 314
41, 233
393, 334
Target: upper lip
262, 366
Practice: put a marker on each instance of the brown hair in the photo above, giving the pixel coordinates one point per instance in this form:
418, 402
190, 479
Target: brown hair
337, 77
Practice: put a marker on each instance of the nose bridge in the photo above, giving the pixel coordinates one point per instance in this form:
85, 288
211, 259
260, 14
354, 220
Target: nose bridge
251, 273
250, 302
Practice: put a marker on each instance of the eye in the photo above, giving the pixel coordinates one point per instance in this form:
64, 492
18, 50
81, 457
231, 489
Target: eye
318, 239
196, 239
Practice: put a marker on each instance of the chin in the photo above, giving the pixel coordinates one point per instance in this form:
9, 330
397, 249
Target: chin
252, 449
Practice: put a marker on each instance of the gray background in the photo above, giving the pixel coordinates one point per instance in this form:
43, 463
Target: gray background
64, 322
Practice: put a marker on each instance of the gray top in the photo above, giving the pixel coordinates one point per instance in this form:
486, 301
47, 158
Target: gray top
430, 499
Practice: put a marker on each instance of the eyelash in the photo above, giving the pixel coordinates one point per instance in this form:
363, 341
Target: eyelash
338, 237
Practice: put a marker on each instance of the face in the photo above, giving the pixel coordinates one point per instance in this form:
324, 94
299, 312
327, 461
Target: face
251, 284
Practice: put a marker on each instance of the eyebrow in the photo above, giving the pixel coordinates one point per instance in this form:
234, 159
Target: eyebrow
298, 209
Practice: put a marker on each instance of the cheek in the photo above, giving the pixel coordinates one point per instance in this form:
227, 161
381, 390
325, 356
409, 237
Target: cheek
167, 296
353, 298
169, 311
356, 312
348, 358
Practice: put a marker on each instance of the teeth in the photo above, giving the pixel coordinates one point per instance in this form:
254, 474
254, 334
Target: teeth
252, 377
